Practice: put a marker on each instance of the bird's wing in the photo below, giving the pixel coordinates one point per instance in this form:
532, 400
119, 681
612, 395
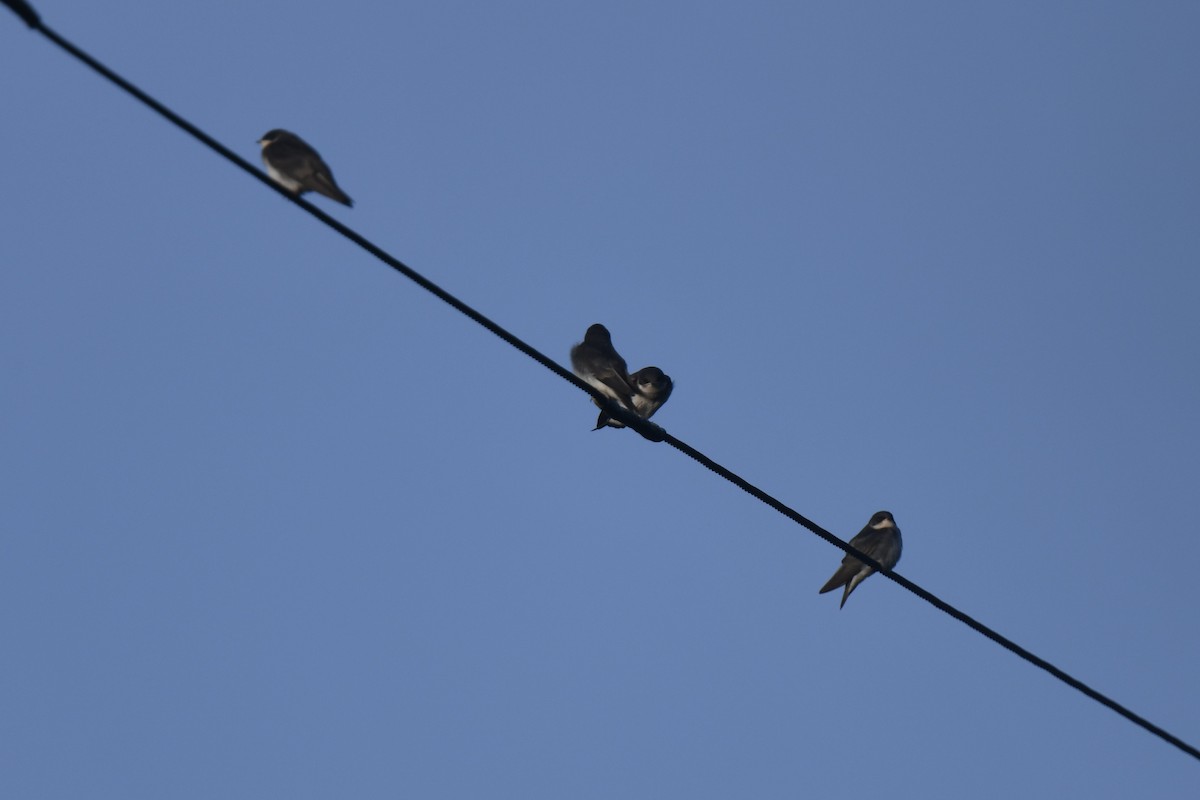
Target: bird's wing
613, 379
322, 181
849, 568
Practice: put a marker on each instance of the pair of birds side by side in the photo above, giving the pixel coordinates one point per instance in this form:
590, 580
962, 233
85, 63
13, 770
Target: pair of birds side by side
598, 362
296, 166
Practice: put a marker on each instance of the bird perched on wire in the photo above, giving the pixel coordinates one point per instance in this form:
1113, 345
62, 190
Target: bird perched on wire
297, 167
651, 388
597, 362
880, 540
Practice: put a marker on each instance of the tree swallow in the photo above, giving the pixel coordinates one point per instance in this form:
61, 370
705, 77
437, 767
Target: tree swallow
651, 388
297, 167
880, 540
597, 362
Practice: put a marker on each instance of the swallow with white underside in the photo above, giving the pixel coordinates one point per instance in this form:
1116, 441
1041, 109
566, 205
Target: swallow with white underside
596, 361
296, 166
651, 388
880, 540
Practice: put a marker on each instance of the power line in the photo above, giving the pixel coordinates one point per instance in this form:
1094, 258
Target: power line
647, 429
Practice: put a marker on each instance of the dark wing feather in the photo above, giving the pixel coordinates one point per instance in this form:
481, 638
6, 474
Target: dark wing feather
322, 182
849, 568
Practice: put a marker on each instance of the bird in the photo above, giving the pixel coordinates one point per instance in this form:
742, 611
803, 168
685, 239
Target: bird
597, 362
297, 167
880, 540
651, 388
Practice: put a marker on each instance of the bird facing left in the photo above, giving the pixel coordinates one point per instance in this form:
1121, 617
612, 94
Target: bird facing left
296, 166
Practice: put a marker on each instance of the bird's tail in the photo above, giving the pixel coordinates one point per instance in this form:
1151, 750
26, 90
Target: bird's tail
325, 185
340, 196
605, 421
839, 579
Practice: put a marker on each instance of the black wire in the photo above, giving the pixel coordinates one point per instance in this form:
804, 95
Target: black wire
24, 11
930, 598
647, 429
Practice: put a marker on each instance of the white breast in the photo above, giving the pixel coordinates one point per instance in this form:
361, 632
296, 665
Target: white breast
280, 178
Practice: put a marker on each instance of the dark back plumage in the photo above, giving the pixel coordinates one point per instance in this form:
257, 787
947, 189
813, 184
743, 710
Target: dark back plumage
298, 166
598, 362
883, 544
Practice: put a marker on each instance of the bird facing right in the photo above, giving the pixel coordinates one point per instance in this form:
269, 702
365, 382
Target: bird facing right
298, 167
880, 540
651, 388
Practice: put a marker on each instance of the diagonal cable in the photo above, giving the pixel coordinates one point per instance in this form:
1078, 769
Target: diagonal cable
647, 429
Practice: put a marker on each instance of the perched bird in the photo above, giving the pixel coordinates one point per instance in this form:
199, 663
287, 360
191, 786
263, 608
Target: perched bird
880, 540
597, 362
297, 167
651, 388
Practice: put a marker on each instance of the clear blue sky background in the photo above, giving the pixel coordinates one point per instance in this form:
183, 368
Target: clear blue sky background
277, 523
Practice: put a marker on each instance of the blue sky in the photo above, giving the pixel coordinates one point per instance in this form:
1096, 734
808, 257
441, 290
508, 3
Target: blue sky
278, 523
